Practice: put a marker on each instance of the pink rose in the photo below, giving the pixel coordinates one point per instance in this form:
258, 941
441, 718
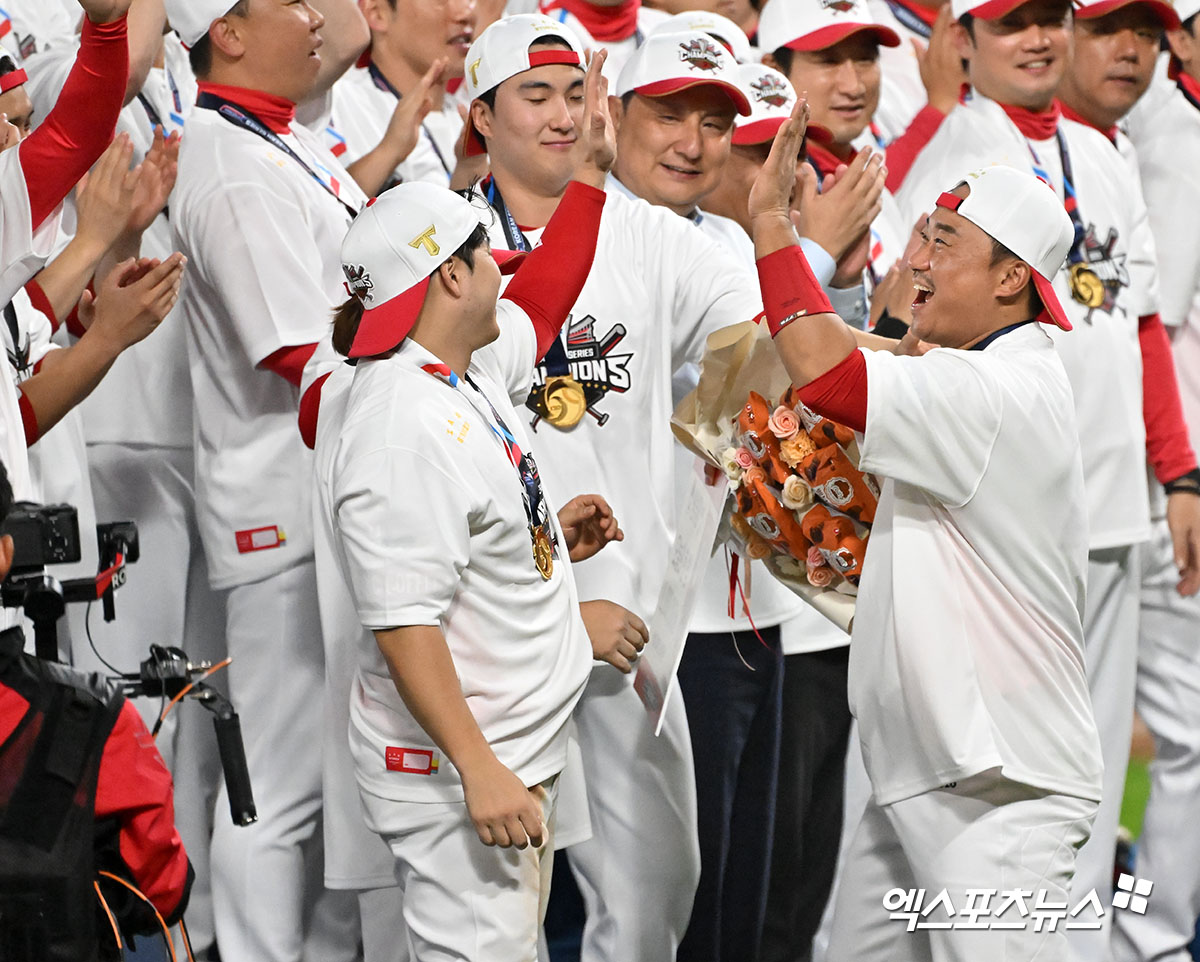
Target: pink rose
815, 558
821, 577
783, 423
743, 458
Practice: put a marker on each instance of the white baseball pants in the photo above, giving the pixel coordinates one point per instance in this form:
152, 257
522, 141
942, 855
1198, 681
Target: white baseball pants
1110, 632
639, 871
1168, 699
986, 833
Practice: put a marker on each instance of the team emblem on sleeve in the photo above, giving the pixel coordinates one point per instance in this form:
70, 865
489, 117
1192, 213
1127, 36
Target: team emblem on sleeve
585, 374
700, 54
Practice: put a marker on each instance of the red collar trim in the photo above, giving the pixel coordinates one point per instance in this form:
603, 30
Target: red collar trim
824, 159
1070, 114
927, 15
1035, 126
1190, 85
276, 112
605, 24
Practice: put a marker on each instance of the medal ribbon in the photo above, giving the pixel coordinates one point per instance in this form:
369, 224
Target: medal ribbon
526, 467
555, 359
911, 19
242, 118
1070, 201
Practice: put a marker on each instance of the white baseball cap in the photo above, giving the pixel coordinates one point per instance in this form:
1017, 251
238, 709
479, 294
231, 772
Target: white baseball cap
669, 62
721, 29
1166, 14
1186, 9
817, 24
192, 18
1025, 215
772, 98
502, 51
392, 249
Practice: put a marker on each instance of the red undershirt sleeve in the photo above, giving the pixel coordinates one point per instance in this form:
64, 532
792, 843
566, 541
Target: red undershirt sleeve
565, 256
288, 362
310, 410
840, 394
80, 125
28, 419
134, 787
903, 151
1167, 445
789, 288
38, 298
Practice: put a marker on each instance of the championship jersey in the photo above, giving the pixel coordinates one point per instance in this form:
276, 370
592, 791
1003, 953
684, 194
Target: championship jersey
431, 517
1165, 129
658, 287
261, 229
23, 251
967, 649
1102, 354
901, 93
363, 104
145, 398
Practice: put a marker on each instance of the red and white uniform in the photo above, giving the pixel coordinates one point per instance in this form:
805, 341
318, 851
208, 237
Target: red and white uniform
1103, 359
246, 297
902, 94
1168, 686
27, 27
363, 104
657, 288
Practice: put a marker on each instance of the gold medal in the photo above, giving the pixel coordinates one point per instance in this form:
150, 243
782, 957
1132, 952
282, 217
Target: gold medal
543, 553
564, 401
1086, 286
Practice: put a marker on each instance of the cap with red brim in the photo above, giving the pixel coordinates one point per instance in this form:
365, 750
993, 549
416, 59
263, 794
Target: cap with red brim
762, 131
382, 328
663, 88
835, 33
1164, 11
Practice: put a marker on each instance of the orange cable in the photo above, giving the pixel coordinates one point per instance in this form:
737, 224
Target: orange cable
107, 911
158, 915
188, 687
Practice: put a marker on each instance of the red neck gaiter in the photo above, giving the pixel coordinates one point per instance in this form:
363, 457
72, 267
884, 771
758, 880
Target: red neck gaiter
605, 24
276, 112
1035, 126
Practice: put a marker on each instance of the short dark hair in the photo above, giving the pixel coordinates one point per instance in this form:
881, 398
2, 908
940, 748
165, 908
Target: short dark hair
784, 58
1002, 253
489, 96
968, 24
7, 65
349, 313
1190, 24
200, 54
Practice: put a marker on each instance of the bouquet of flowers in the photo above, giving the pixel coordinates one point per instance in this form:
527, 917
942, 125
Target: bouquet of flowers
798, 501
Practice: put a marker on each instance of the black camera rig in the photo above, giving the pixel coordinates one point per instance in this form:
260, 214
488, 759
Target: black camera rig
49, 534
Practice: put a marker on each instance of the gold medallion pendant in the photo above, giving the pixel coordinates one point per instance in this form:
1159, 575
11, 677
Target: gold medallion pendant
543, 553
564, 400
1086, 286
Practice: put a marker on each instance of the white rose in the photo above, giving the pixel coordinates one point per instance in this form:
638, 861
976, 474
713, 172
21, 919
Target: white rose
796, 494
729, 464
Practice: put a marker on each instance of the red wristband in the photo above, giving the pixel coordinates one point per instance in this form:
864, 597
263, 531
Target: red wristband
789, 289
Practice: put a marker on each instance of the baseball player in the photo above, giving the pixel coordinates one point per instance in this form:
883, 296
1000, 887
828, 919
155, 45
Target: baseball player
673, 140
248, 176
28, 27
1165, 128
456, 741
619, 27
1018, 55
600, 409
415, 49
966, 672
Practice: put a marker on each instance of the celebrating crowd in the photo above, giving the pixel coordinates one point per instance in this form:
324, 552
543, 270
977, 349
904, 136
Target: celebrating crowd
374, 315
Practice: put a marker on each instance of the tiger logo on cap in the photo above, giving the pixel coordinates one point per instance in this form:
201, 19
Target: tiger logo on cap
701, 54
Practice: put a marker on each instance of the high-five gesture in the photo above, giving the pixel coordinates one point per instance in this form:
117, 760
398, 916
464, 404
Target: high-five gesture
597, 134
771, 195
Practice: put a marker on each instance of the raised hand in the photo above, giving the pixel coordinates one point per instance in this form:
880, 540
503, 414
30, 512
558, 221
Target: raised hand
772, 191
105, 197
404, 129
942, 72
588, 524
617, 634
158, 171
837, 216
597, 135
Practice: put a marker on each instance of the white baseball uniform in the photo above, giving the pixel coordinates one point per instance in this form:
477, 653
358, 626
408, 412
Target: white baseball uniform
902, 94
363, 104
657, 288
28, 27
958, 721
1102, 357
452, 498
1168, 686
247, 295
